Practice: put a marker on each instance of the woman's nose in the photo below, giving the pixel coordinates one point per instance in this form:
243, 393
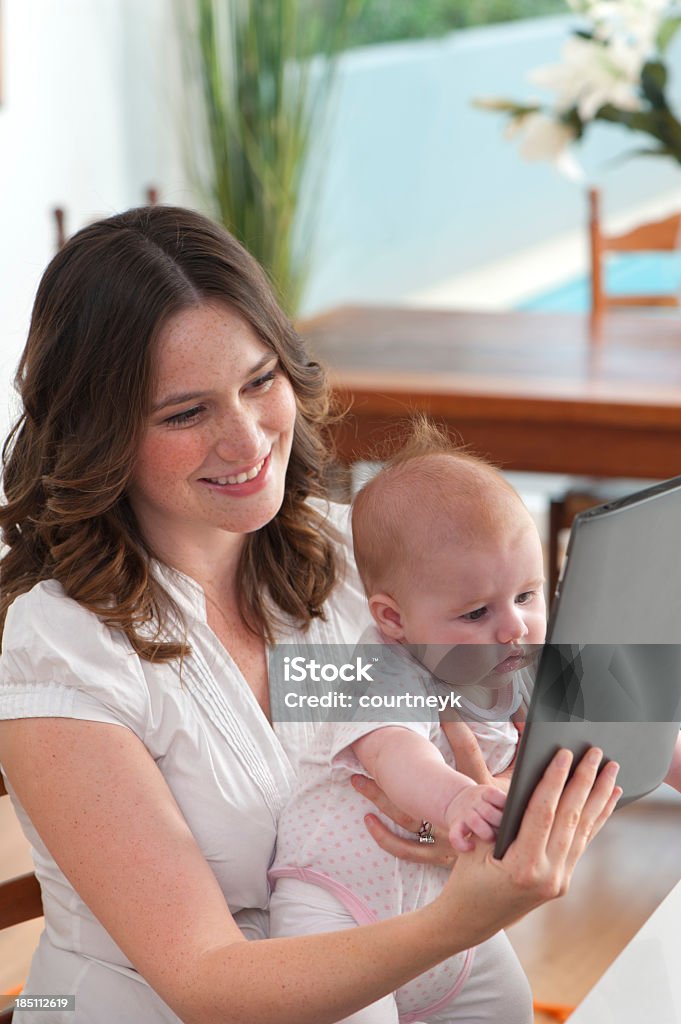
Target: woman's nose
512, 626
239, 437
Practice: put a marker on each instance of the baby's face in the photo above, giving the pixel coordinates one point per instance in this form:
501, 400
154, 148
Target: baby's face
490, 595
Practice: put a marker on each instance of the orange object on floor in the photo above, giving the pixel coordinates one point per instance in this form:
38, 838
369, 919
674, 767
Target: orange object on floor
16, 991
554, 1010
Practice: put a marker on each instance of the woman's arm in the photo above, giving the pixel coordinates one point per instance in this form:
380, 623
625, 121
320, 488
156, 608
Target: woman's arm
105, 813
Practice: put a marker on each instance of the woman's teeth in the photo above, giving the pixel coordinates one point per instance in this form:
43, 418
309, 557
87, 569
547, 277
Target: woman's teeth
241, 478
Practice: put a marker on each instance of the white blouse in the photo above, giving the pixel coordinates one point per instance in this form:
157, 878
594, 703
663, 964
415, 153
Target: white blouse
228, 770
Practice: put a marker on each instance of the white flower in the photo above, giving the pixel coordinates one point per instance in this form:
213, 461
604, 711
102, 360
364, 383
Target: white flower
544, 138
636, 22
592, 74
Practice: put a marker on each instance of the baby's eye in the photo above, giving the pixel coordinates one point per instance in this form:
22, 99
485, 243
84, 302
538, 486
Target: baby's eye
182, 419
475, 615
525, 597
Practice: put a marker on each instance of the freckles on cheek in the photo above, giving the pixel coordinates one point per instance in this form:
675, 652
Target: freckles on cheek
162, 456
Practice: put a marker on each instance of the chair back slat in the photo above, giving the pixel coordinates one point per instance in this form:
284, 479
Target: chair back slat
656, 236
20, 900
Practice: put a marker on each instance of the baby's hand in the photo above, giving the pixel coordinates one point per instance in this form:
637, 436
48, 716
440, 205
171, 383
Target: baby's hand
477, 810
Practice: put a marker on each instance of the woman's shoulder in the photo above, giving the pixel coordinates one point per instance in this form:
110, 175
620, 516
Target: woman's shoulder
52, 643
47, 613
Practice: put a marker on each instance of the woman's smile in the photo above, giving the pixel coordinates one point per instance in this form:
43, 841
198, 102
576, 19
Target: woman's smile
234, 483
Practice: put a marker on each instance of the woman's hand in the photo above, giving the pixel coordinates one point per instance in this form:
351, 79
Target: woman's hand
561, 819
438, 853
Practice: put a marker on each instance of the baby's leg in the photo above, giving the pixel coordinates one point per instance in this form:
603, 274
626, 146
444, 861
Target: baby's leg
299, 908
496, 990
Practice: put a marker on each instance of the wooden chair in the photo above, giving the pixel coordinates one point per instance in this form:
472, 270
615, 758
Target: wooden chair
656, 236
151, 196
20, 901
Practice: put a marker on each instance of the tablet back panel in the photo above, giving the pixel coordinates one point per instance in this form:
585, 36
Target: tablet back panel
610, 674
621, 580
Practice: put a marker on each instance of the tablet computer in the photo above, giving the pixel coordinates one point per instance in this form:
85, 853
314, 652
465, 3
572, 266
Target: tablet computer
610, 672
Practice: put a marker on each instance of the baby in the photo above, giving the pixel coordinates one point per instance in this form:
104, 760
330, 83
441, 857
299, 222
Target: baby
452, 567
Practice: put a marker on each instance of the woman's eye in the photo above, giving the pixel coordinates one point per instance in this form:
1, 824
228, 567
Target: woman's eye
474, 616
263, 382
182, 419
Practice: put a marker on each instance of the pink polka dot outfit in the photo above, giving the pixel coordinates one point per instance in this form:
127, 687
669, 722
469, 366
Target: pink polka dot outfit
322, 841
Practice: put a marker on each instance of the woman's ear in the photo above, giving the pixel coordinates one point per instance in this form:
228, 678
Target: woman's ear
387, 616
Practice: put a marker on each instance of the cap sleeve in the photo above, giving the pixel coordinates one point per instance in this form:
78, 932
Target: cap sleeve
59, 660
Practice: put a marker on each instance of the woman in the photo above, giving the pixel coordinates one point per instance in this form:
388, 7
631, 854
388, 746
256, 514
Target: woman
165, 524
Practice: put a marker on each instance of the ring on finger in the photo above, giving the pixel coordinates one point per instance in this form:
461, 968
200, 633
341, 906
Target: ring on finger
426, 833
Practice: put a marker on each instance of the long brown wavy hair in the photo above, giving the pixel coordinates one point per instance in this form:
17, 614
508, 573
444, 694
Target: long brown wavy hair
85, 382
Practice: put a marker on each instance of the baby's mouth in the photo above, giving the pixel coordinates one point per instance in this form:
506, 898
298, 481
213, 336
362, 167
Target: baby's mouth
514, 661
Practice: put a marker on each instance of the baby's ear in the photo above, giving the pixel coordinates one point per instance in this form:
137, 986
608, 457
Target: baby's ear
387, 616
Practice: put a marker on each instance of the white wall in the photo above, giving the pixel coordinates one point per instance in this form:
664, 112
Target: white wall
83, 125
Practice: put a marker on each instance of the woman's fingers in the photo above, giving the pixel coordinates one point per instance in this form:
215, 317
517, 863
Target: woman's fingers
571, 811
368, 788
599, 806
538, 819
438, 853
561, 818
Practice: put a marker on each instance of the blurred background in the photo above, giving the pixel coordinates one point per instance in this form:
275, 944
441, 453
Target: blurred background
366, 176
417, 196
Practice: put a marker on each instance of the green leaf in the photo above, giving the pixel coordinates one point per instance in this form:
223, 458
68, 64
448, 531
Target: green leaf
653, 83
668, 30
505, 106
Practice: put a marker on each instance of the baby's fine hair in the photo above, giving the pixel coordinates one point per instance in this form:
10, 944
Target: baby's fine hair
430, 492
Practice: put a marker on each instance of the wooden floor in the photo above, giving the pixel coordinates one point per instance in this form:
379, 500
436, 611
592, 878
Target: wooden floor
630, 867
564, 946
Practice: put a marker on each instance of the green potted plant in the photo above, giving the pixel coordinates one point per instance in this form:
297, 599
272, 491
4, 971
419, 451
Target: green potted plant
260, 74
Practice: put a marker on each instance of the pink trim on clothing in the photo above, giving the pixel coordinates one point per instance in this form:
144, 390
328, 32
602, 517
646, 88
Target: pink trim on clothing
353, 904
364, 915
447, 997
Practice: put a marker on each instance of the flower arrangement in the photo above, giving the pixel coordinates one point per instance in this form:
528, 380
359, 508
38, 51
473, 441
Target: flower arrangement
612, 69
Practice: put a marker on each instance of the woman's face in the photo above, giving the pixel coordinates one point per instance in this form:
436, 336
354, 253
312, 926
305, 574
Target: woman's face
218, 437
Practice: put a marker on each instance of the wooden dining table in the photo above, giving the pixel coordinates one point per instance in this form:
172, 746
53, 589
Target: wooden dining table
541, 392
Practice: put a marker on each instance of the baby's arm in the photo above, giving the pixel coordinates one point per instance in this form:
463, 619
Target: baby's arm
413, 774
673, 776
